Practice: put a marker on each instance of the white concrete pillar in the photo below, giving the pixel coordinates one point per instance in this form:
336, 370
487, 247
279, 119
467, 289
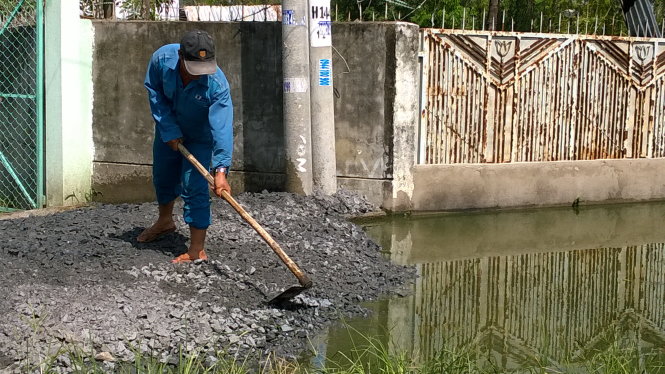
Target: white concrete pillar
324, 164
68, 99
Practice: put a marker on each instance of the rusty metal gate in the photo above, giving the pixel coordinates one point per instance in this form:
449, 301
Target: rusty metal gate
494, 97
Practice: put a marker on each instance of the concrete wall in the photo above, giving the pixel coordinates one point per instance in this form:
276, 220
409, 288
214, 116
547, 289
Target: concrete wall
123, 129
68, 104
376, 112
373, 104
376, 76
450, 187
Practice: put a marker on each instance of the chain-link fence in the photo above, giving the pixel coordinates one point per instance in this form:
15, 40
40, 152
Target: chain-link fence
20, 104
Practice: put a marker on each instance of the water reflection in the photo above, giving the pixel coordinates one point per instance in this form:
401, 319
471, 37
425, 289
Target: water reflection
554, 284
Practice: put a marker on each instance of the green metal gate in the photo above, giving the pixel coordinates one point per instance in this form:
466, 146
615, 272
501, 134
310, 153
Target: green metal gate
21, 104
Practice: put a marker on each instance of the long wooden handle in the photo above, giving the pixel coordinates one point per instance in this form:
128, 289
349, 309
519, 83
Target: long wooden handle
302, 277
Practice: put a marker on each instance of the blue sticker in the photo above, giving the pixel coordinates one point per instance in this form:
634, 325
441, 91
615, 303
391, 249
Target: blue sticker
325, 29
288, 17
325, 72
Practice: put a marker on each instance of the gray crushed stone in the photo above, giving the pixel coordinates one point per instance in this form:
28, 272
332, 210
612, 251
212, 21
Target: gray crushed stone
79, 279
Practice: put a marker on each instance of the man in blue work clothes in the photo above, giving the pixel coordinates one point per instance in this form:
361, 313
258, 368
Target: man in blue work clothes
191, 104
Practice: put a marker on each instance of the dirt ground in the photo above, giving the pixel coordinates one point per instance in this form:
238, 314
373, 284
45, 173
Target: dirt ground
78, 278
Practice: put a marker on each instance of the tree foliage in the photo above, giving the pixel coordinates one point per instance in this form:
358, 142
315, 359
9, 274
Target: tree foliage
583, 16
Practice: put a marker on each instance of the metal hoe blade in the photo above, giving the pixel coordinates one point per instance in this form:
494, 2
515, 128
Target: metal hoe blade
287, 294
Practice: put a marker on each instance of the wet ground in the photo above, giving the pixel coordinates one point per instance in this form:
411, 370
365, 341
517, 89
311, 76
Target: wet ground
79, 278
520, 288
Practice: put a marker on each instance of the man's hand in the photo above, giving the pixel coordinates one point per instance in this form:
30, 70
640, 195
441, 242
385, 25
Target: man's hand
221, 184
174, 143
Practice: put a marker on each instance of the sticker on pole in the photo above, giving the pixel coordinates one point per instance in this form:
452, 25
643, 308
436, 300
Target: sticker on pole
325, 72
288, 17
295, 85
320, 30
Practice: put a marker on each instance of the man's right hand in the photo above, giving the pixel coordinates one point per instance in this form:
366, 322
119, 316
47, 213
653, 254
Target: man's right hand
174, 143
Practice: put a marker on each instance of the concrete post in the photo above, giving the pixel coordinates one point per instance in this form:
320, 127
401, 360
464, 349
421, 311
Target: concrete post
321, 84
295, 68
68, 104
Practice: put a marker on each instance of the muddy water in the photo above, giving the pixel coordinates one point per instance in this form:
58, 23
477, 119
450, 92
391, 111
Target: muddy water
553, 285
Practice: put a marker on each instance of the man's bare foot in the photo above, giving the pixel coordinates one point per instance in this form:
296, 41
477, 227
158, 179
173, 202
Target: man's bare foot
191, 255
156, 231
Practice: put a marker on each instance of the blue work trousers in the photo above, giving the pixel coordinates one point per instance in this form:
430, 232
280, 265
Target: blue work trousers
173, 175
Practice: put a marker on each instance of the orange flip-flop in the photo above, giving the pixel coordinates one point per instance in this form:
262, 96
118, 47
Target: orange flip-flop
151, 236
185, 257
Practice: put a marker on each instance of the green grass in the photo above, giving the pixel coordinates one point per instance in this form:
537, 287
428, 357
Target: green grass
81, 362
368, 355
371, 358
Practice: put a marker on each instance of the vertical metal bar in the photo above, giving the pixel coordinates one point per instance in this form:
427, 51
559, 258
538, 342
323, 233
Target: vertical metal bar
577, 31
540, 29
423, 58
595, 26
602, 136
559, 23
39, 199
503, 21
488, 107
429, 150
483, 26
586, 25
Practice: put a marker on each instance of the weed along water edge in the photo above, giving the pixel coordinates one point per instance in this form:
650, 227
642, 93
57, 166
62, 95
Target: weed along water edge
548, 290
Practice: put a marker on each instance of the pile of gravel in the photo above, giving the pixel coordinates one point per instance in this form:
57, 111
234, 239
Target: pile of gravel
79, 279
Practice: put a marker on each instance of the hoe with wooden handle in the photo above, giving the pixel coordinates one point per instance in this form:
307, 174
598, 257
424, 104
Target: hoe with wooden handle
304, 280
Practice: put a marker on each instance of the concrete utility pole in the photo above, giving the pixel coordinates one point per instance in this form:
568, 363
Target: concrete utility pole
295, 70
321, 85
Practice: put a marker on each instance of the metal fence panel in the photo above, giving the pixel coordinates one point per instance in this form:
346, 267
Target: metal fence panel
640, 18
176, 10
514, 97
21, 110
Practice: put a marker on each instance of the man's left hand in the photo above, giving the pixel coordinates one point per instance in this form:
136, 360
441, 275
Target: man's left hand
221, 184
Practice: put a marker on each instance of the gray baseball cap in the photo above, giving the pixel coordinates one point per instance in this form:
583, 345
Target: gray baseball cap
198, 51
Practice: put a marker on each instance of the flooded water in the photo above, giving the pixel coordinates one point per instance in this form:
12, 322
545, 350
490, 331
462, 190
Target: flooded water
517, 287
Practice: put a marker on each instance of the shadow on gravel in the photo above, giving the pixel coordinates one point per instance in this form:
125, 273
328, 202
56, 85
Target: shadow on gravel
170, 244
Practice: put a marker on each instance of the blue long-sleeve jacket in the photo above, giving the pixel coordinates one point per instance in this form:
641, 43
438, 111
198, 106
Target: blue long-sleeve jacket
202, 112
